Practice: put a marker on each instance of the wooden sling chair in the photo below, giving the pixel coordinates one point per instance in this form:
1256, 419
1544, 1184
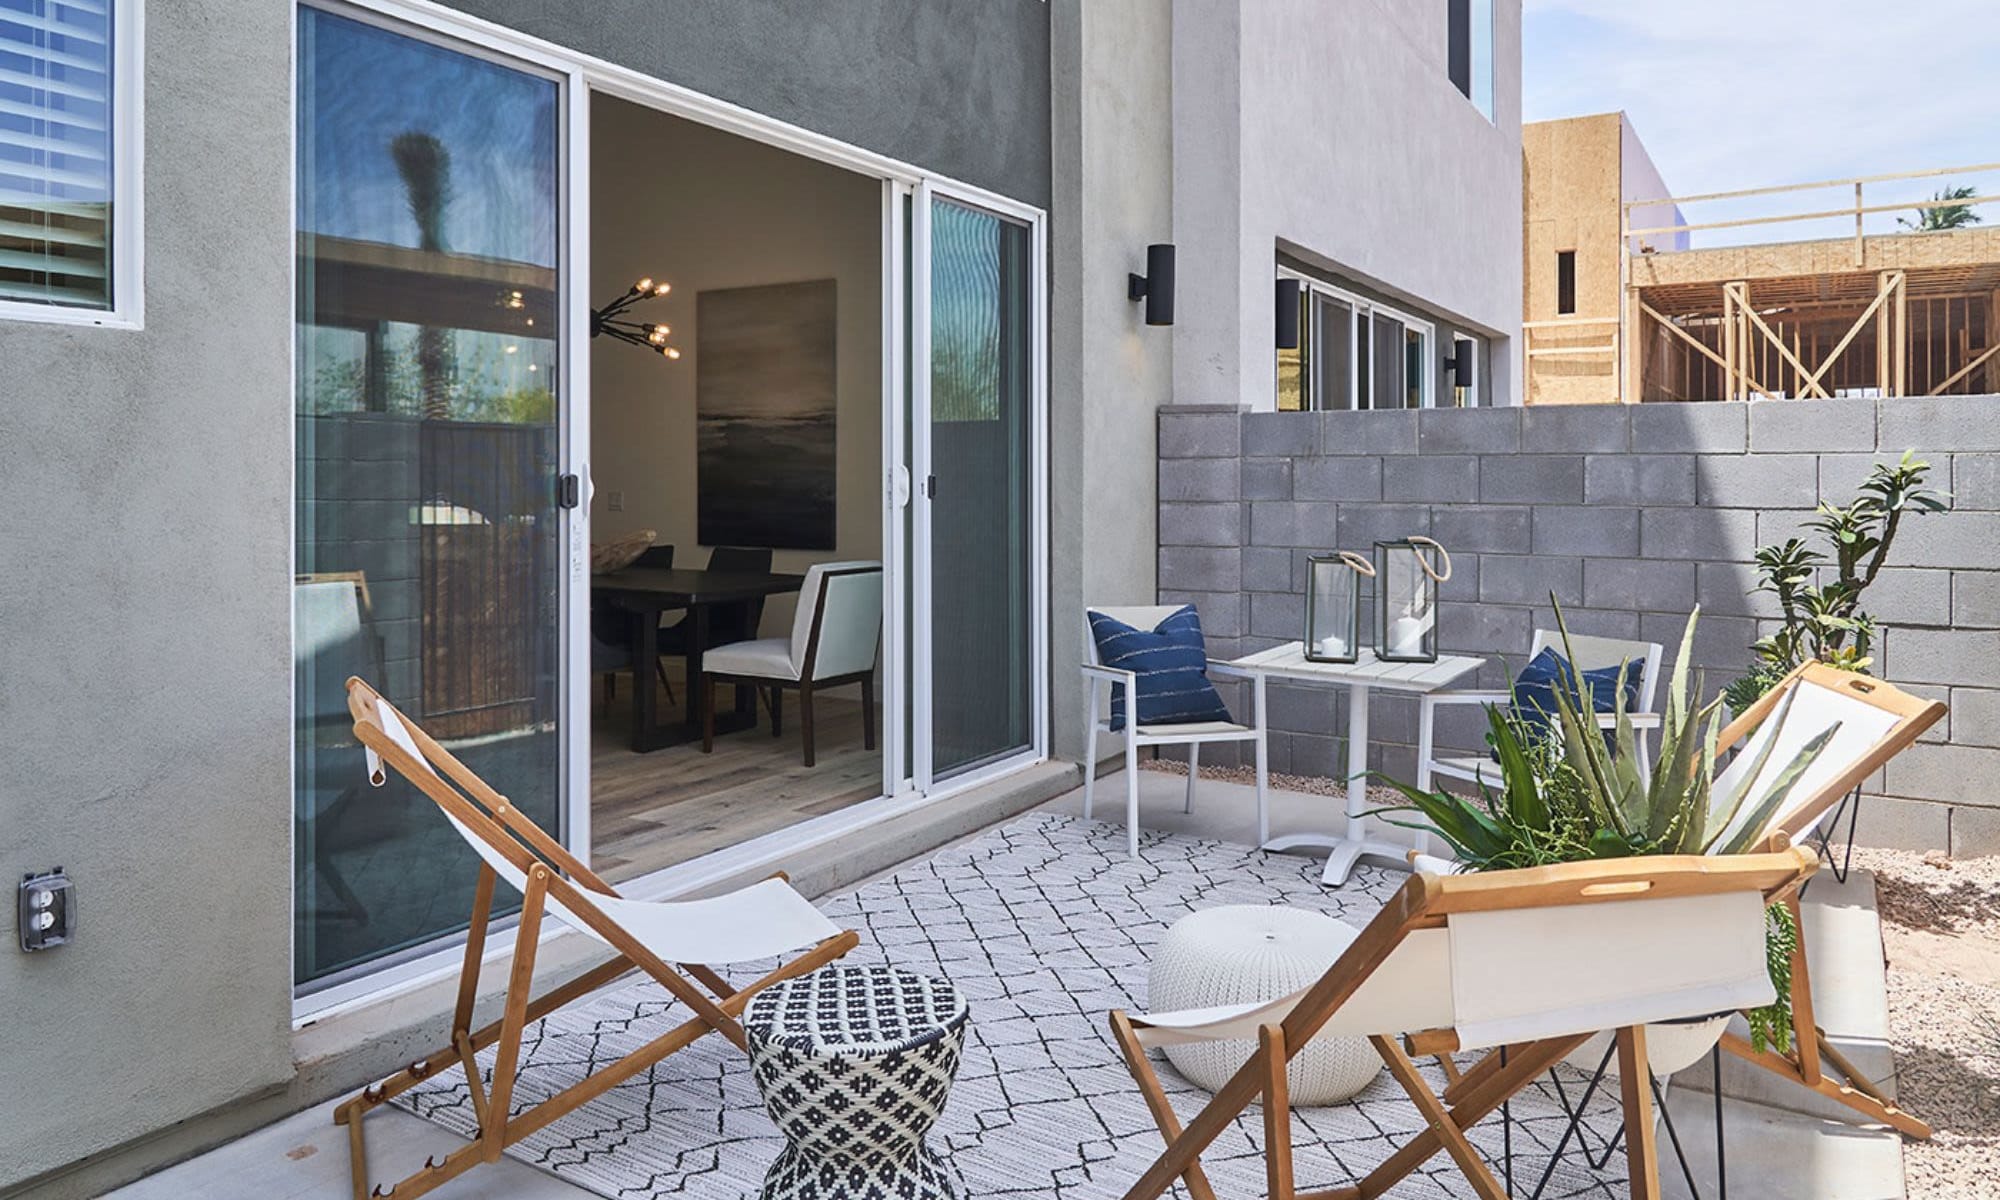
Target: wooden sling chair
675, 944
1535, 961
1873, 721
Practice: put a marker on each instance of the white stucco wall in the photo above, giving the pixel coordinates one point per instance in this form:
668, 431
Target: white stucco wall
1356, 153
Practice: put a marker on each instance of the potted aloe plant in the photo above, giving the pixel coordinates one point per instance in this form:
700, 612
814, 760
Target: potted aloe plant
1569, 793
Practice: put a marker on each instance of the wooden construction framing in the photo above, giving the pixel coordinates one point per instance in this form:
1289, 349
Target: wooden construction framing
1772, 318
1429, 902
554, 876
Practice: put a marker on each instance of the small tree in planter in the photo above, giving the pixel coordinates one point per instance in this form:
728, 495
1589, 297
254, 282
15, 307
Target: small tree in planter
1825, 620
1567, 795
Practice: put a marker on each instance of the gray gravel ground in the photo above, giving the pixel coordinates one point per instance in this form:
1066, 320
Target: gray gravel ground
1941, 930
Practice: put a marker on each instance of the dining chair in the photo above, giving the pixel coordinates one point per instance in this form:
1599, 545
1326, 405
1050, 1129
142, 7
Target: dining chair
1103, 684
726, 622
1592, 654
836, 635
661, 558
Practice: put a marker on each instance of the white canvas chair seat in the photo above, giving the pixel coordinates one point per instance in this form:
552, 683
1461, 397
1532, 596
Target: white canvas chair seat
1099, 683
770, 658
675, 944
1536, 961
1496, 979
764, 920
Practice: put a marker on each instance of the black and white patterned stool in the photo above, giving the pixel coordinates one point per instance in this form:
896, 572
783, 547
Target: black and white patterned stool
855, 1063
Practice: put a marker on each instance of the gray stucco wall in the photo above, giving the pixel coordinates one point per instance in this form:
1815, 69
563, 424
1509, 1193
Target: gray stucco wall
960, 87
1631, 516
1333, 133
1109, 370
145, 584
144, 590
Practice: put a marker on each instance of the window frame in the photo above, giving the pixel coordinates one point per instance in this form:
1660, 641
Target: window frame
128, 192
1566, 283
1361, 313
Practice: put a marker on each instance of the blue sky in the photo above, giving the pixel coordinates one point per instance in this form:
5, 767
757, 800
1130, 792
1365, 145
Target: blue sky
1730, 94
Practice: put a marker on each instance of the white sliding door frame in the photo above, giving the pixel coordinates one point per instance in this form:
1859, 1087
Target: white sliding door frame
414, 965
927, 193
906, 372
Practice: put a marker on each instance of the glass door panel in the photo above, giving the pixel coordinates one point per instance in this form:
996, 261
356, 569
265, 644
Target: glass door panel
1334, 325
976, 458
429, 544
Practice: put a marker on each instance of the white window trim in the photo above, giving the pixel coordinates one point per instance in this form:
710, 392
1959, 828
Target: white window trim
1360, 307
128, 192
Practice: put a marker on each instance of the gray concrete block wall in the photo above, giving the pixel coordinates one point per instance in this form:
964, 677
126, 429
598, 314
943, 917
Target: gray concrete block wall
1631, 517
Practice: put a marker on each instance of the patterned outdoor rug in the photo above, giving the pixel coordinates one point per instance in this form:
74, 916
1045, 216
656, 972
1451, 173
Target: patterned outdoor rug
1045, 925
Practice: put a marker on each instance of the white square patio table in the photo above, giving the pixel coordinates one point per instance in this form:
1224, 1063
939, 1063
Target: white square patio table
1289, 663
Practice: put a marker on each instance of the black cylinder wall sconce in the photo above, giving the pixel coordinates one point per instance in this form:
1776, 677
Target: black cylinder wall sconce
1156, 286
1288, 314
1463, 355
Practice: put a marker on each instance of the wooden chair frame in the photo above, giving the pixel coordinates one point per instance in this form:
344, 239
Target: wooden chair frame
553, 874
774, 689
1811, 1053
1427, 902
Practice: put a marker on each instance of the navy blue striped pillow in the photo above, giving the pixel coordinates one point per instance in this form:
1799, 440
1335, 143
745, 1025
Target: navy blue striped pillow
1170, 666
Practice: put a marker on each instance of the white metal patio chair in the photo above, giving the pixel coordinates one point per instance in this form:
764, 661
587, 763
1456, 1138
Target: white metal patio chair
673, 943
1532, 962
1592, 653
1100, 680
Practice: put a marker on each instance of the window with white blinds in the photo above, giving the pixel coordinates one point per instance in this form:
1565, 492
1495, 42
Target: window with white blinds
57, 151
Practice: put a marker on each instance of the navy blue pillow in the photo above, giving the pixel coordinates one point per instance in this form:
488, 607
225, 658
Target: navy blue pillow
1535, 690
1170, 665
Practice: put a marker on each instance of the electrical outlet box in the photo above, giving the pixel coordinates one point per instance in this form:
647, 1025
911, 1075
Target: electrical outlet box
615, 501
47, 908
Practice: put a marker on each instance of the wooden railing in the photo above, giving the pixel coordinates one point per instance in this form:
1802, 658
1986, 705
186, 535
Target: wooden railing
1859, 210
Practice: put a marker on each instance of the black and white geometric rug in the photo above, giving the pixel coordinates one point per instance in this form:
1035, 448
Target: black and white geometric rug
1046, 926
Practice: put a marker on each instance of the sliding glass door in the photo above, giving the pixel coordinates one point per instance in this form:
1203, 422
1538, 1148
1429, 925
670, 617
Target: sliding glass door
430, 550
977, 429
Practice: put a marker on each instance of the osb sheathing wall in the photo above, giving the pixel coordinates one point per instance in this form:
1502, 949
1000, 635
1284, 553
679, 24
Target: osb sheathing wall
1571, 191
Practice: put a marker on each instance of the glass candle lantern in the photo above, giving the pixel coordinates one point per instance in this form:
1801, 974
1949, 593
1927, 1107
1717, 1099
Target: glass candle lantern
1333, 606
1407, 574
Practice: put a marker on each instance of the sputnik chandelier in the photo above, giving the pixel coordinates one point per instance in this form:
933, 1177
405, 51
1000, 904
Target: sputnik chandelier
611, 321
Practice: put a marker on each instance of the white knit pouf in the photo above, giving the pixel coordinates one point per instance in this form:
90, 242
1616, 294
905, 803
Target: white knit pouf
1244, 953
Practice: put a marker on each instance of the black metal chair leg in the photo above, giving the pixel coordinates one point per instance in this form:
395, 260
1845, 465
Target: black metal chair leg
1576, 1122
1667, 1119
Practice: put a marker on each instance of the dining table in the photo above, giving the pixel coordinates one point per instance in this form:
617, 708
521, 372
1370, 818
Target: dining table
647, 594
1367, 673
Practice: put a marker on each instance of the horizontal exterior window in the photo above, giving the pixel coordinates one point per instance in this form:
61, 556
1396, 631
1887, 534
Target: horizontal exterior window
63, 184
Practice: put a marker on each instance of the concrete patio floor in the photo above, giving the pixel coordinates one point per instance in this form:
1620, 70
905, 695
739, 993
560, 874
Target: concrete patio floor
1774, 1153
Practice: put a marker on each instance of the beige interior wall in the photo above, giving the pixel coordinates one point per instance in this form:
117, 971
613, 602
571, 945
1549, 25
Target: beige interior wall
1570, 190
704, 209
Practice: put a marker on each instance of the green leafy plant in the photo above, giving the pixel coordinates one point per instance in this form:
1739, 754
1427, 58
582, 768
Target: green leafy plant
1567, 796
1819, 591
1772, 1025
1940, 214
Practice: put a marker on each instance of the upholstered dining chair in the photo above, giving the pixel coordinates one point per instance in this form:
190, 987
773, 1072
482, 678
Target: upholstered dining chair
836, 635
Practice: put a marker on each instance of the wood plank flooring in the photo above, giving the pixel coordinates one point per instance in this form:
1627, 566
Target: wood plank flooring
650, 811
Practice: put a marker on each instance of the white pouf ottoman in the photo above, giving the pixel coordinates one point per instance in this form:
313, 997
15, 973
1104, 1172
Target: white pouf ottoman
1244, 953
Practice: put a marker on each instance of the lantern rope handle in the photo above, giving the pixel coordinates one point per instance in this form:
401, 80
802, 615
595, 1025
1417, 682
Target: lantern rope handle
1418, 539
1360, 565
